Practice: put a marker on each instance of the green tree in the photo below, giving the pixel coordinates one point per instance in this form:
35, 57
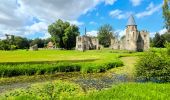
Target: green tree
21, 43
166, 36
63, 34
158, 40
4, 45
166, 14
39, 42
69, 38
105, 33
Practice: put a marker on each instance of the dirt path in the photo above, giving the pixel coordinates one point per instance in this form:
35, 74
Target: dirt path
128, 69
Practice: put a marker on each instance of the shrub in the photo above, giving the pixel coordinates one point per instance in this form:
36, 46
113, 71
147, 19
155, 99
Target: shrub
153, 67
167, 45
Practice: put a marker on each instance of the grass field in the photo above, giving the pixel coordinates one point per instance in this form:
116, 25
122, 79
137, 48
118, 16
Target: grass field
69, 91
14, 63
53, 55
131, 91
50, 62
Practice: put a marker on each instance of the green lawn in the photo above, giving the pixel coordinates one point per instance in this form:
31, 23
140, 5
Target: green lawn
46, 61
131, 91
69, 91
22, 62
54, 55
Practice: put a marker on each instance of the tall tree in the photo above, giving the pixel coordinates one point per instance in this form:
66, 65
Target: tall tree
63, 34
69, 38
158, 41
166, 14
105, 33
21, 43
166, 36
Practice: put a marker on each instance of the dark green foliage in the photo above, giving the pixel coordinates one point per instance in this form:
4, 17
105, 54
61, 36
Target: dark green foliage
166, 14
167, 45
4, 45
40, 43
15, 42
21, 43
158, 40
153, 67
105, 34
63, 34
166, 36
69, 38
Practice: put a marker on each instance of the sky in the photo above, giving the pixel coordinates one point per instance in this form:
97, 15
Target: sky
30, 18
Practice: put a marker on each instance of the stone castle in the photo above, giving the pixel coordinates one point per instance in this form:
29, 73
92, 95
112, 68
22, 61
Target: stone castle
86, 43
133, 40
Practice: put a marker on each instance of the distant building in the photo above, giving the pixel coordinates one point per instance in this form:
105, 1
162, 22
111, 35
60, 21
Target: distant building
50, 45
133, 40
86, 43
34, 47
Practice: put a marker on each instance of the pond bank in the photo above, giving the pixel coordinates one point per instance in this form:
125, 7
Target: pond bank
86, 81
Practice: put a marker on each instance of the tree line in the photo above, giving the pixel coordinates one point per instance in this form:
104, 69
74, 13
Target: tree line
17, 42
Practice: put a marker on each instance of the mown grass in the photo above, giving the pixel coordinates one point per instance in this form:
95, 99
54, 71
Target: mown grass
15, 63
131, 91
69, 91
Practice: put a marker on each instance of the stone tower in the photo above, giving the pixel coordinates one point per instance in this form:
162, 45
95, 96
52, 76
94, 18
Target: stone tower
131, 34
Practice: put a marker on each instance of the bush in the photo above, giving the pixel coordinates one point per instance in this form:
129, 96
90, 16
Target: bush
167, 45
153, 67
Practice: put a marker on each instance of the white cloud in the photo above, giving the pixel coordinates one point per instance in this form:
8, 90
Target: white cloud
16, 15
76, 23
40, 27
120, 32
93, 23
136, 2
110, 2
37, 27
10, 15
151, 9
115, 13
151, 5
92, 33
119, 14
162, 31
50, 10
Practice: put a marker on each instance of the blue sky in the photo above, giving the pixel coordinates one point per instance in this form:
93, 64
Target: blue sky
30, 18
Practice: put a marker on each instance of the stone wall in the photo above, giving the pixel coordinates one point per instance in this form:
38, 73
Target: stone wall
86, 43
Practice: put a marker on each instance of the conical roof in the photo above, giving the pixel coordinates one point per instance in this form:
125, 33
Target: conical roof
131, 21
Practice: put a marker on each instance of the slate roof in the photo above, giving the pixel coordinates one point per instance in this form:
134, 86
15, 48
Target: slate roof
131, 21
